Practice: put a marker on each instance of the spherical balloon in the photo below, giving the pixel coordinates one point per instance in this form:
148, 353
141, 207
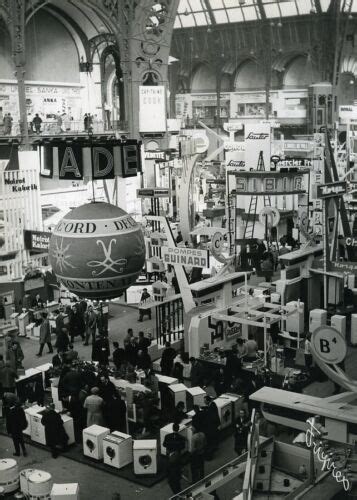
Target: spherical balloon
97, 251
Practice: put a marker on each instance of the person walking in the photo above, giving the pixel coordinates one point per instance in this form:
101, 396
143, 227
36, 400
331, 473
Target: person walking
62, 340
198, 449
54, 430
174, 444
45, 335
91, 325
94, 406
101, 351
167, 359
16, 423
145, 296
241, 432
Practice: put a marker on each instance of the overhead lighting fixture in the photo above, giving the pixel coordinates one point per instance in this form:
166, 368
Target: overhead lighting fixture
186, 13
241, 2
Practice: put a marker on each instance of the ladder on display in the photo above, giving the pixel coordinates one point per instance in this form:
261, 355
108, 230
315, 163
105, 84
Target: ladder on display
252, 212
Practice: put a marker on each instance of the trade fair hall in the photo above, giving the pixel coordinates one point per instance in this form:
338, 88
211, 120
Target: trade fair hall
178, 249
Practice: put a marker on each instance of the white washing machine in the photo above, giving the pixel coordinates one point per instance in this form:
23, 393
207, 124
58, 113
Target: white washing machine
236, 401
29, 412
225, 411
195, 396
118, 449
295, 318
318, 317
145, 456
167, 429
37, 429
177, 393
339, 322
93, 441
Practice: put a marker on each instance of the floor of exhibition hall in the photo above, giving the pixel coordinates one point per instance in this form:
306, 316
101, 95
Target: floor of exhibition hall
92, 479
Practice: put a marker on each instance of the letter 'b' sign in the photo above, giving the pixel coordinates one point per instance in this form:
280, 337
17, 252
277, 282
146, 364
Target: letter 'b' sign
329, 344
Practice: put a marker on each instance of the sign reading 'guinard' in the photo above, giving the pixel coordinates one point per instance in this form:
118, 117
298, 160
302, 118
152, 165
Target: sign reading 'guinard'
97, 251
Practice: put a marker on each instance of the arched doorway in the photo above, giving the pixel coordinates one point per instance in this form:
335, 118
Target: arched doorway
112, 88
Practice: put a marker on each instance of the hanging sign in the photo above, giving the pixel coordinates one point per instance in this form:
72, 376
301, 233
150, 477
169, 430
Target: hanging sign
185, 256
153, 193
152, 109
293, 162
68, 161
37, 240
332, 189
257, 139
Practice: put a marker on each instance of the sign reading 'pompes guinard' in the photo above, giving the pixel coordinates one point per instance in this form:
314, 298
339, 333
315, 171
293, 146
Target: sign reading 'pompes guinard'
185, 256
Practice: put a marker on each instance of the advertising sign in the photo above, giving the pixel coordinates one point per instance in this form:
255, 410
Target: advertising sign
347, 113
185, 256
329, 344
37, 240
152, 110
153, 193
332, 189
257, 139
100, 161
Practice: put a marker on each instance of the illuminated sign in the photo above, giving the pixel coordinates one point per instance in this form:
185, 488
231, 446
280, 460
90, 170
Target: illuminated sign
332, 189
351, 242
185, 256
153, 193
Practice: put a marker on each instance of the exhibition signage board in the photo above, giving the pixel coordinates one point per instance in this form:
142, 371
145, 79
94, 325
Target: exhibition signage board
100, 160
347, 113
329, 344
185, 256
294, 162
153, 193
257, 139
236, 164
331, 189
37, 240
344, 267
152, 108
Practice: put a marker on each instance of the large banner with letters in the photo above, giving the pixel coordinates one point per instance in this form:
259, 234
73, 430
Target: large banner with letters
257, 139
76, 161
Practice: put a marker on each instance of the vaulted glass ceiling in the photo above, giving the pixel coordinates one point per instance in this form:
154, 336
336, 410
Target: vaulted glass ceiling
205, 12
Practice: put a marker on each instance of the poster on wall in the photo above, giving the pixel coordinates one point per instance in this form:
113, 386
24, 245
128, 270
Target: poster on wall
257, 139
152, 114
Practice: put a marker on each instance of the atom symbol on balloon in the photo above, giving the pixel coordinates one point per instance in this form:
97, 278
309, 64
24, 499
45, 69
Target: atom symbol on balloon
108, 263
61, 256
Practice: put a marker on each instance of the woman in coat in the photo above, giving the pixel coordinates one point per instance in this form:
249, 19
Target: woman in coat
94, 406
45, 334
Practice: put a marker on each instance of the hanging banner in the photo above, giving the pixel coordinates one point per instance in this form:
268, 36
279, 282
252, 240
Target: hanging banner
257, 139
152, 114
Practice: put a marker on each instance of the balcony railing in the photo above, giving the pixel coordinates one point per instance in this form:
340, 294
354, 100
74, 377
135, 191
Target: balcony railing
50, 128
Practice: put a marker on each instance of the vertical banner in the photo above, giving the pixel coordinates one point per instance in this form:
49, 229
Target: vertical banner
152, 101
257, 139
